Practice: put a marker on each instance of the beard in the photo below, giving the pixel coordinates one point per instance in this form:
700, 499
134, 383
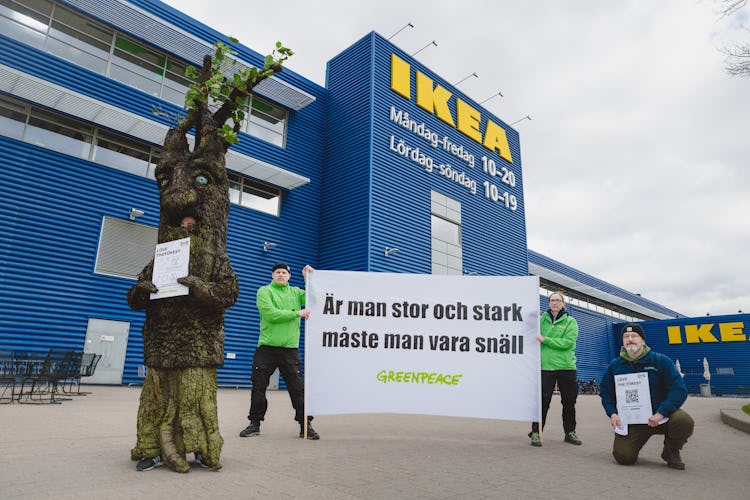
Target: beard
632, 350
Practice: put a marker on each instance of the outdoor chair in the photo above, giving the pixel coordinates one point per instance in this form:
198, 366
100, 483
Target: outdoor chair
71, 375
40, 386
7, 377
15, 367
86, 368
91, 367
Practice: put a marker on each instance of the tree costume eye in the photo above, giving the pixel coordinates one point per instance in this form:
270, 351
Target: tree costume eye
201, 180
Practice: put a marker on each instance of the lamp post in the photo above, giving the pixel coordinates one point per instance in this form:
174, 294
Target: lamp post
420, 50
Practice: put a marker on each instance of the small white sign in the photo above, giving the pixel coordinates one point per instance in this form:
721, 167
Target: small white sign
108, 338
231, 355
633, 398
171, 261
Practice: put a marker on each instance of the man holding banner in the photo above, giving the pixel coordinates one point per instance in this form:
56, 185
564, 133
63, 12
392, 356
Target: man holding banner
559, 333
281, 307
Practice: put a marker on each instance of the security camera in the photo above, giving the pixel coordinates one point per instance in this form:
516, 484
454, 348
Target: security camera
134, 212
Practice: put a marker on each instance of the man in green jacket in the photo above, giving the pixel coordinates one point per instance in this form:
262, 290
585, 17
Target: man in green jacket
281, 307
558, 336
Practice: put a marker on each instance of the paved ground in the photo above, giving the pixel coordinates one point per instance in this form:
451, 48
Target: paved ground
80, 450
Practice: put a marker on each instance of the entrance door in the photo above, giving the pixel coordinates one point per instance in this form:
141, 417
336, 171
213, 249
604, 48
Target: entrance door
110, 339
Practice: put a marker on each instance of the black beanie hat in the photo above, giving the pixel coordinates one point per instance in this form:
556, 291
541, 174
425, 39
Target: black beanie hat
281, 265
632, 328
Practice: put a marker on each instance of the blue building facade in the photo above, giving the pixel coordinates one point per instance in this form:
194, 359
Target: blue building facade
386, 168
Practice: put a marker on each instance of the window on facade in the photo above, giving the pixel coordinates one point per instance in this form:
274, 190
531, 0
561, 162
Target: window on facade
253, 194
446, 235
123, 153
59, 133
576, 298
78, 39
266, 121
83, 41
12, 118
27, 22
125, 247
69, 136
136, 65
175, 82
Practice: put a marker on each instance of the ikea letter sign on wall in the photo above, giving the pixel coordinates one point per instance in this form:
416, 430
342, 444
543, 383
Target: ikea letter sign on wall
695, 334
434, 99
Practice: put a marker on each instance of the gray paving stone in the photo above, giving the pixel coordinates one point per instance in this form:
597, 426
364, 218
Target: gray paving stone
81, 449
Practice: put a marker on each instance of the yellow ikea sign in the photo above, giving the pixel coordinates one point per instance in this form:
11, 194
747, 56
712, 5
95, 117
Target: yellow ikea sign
434, 99
705, 333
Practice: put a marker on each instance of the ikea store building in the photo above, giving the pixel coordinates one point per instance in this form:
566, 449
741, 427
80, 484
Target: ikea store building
388, 168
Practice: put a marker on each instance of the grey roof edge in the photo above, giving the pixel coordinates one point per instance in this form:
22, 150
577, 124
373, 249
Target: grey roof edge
162, 34
594, 287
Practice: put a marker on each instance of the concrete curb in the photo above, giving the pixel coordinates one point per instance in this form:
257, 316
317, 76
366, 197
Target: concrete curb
736, 418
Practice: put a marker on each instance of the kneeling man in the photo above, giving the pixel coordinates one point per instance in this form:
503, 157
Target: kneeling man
667, 393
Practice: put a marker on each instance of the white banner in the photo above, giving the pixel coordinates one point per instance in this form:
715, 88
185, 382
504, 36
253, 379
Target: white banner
423, 344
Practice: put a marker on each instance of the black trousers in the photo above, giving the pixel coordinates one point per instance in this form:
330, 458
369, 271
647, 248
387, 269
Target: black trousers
266, 360
567, 382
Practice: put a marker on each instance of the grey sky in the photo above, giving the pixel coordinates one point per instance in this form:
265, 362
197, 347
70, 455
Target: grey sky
634, 158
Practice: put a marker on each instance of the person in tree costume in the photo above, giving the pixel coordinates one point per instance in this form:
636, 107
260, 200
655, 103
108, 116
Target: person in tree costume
183, 336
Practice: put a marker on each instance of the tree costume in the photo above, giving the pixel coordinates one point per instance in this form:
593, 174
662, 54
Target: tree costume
183, 337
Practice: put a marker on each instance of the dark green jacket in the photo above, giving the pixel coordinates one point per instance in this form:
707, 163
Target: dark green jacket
667, 388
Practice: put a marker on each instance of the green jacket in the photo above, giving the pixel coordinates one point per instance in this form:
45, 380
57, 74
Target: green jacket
279, 307
559, 346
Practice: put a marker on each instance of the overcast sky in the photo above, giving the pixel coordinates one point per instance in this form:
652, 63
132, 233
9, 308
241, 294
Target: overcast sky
636, 159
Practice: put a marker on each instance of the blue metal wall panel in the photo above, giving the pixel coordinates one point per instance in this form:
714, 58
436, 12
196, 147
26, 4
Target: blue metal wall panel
346, 180
386, 199
55, 204
724, 342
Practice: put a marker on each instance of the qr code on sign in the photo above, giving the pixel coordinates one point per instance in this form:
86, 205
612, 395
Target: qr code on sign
631, 396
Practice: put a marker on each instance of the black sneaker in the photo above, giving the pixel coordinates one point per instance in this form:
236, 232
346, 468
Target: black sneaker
535, 439
572, 438
311, 434
251, 430
199, 460
149, 463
